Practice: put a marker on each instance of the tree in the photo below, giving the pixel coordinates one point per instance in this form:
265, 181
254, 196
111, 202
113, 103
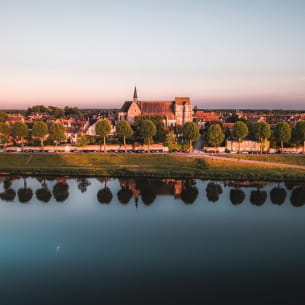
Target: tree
282, 133
40, 131
102, 129
57, 133
82, 140
3, 117
300, 133
148, 131
262, 132
240, 131
215, 135
123, 130
4, 133
20, 131
190, 132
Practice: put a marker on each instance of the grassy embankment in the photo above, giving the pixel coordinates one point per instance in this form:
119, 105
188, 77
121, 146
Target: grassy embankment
285, 159
142, 165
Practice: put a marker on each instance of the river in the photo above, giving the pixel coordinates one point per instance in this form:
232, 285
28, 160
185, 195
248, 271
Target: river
150, 241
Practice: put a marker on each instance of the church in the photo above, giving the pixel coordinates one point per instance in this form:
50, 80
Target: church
174, 113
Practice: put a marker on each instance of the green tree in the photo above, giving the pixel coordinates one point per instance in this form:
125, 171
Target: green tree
300, 133
215, 135
262, 133
20, 130
191, 133
3, 117
40, 131
282, 133
82, 140
4, 134
240, 131
148, 131
123, 130
57, 133
102, 129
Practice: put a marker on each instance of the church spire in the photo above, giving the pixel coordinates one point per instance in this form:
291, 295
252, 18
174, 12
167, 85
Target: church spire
135, 95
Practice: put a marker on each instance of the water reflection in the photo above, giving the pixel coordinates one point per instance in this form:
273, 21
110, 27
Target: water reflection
145, 191
237, 196
298, 197
258, 197
213, 191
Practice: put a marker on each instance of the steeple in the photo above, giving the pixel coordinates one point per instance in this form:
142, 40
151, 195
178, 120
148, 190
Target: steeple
135, 95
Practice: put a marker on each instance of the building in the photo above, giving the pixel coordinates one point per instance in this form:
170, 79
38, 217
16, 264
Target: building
174, 113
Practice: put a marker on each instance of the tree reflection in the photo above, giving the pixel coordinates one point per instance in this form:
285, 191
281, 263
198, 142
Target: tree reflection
25, 194
104, 195
258, 197
61, 191
278, 195
43, 194
298, 197
189, 193
148, 195
237, 196
82, 184
124, 195
213, 191
9, 194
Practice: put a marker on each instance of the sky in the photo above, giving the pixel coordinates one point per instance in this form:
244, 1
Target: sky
91, 53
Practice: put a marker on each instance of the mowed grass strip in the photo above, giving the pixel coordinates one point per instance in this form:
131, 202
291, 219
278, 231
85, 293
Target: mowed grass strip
285, 159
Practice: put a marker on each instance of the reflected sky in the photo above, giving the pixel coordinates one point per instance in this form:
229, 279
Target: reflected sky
172, 245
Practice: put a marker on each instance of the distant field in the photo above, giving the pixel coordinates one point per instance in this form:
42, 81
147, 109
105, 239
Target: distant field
143, 165
287, 159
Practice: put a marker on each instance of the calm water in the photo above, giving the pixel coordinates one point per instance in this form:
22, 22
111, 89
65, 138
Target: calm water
143, 241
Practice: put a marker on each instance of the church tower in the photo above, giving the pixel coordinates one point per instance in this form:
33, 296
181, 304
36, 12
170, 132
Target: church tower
135, 95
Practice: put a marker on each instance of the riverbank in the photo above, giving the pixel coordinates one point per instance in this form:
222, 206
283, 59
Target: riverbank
163, 165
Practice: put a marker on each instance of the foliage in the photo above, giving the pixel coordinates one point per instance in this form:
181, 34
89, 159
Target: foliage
190, 132
124, 131
262, 132
148, 131
57, 132
300, 132
82, 140
71, 111
40, 131
215, 135
240, 131
3, 117
282, 132
102, 129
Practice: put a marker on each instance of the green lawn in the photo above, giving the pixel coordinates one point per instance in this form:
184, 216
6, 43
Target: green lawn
142, 165
287, 159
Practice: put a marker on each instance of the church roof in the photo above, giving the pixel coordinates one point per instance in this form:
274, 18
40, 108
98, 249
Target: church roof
125, 107
151, 108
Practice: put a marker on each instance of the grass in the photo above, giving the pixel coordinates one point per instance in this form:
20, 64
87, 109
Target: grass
142, 165
285, 159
